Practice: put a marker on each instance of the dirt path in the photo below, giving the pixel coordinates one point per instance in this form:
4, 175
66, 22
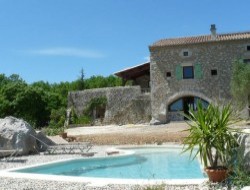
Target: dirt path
131, 134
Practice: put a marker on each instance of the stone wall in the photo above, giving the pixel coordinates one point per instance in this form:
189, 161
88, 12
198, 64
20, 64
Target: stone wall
175, 116
213, 55
124, 104
143, 81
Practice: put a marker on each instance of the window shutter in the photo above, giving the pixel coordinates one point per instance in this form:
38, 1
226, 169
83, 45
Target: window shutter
198, 71
178, 72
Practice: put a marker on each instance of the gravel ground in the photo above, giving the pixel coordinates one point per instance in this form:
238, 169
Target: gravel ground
130, 134
128, 129
20, 184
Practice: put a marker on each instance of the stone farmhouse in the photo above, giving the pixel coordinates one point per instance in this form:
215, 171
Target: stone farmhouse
181, 71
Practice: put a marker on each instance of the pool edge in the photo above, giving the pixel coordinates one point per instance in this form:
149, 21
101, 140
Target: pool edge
103, 181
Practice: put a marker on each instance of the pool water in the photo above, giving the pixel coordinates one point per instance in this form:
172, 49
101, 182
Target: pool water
146, 163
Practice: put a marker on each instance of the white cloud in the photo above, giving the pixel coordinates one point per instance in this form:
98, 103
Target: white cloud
69, 52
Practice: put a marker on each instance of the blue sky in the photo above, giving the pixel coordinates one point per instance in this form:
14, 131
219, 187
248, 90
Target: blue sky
51, 40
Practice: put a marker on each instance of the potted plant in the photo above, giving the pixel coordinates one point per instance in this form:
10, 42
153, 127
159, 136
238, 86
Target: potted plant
211, 137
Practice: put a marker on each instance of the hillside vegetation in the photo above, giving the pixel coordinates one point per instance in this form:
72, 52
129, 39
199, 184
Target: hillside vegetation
41, 103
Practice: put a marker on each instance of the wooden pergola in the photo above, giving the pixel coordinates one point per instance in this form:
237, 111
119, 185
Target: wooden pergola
134, 72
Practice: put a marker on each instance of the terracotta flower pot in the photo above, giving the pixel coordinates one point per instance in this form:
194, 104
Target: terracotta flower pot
216, 175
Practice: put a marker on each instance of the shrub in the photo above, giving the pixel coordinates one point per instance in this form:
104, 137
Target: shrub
57, 122
75, 119
51, 131
94, 104
83, 120
240, 177
57, 118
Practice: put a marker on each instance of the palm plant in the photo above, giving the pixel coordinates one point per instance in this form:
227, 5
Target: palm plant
210, 131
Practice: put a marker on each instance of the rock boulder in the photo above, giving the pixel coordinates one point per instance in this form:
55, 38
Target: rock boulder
15, 134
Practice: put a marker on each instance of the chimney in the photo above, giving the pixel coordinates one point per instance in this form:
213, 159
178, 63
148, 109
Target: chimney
213, 32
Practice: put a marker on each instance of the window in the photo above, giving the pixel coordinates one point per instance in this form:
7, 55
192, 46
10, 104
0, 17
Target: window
188, 72
168, 74
185, 103
214, 72
176, 106
204, 103
185, 53
248, 48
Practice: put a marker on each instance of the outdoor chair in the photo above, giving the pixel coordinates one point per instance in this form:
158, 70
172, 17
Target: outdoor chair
9, 155
70, 148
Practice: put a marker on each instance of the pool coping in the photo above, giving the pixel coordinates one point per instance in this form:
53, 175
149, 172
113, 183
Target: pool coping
95, 181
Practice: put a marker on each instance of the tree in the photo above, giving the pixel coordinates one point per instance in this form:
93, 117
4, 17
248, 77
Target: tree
42, 85
22, 100
31, 105
96, 82
240, 84
3, 80
16, 78
8, 93
102, 82
40, 101
114, 81
80, 81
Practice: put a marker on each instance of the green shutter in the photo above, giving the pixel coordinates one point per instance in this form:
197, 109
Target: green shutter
198, 71
178, 72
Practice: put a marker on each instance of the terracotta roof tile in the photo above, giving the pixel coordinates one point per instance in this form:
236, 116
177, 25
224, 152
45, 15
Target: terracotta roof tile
201, 39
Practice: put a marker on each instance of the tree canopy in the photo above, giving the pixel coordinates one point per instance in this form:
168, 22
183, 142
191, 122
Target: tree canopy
39, 102
240, 84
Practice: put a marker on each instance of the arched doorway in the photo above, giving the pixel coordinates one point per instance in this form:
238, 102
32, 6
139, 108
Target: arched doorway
183, 105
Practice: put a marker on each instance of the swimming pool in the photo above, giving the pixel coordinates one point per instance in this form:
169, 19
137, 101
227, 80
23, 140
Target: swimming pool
144, 163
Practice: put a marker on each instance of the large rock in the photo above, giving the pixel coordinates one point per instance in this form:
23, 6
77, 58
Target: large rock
15, 134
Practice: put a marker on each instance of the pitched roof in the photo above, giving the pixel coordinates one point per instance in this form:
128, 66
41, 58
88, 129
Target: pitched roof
201, 39
134, 72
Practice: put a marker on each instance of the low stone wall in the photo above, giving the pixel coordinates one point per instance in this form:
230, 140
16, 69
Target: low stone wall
124, 104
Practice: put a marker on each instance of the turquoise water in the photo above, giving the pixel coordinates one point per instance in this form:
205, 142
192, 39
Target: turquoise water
157, 163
